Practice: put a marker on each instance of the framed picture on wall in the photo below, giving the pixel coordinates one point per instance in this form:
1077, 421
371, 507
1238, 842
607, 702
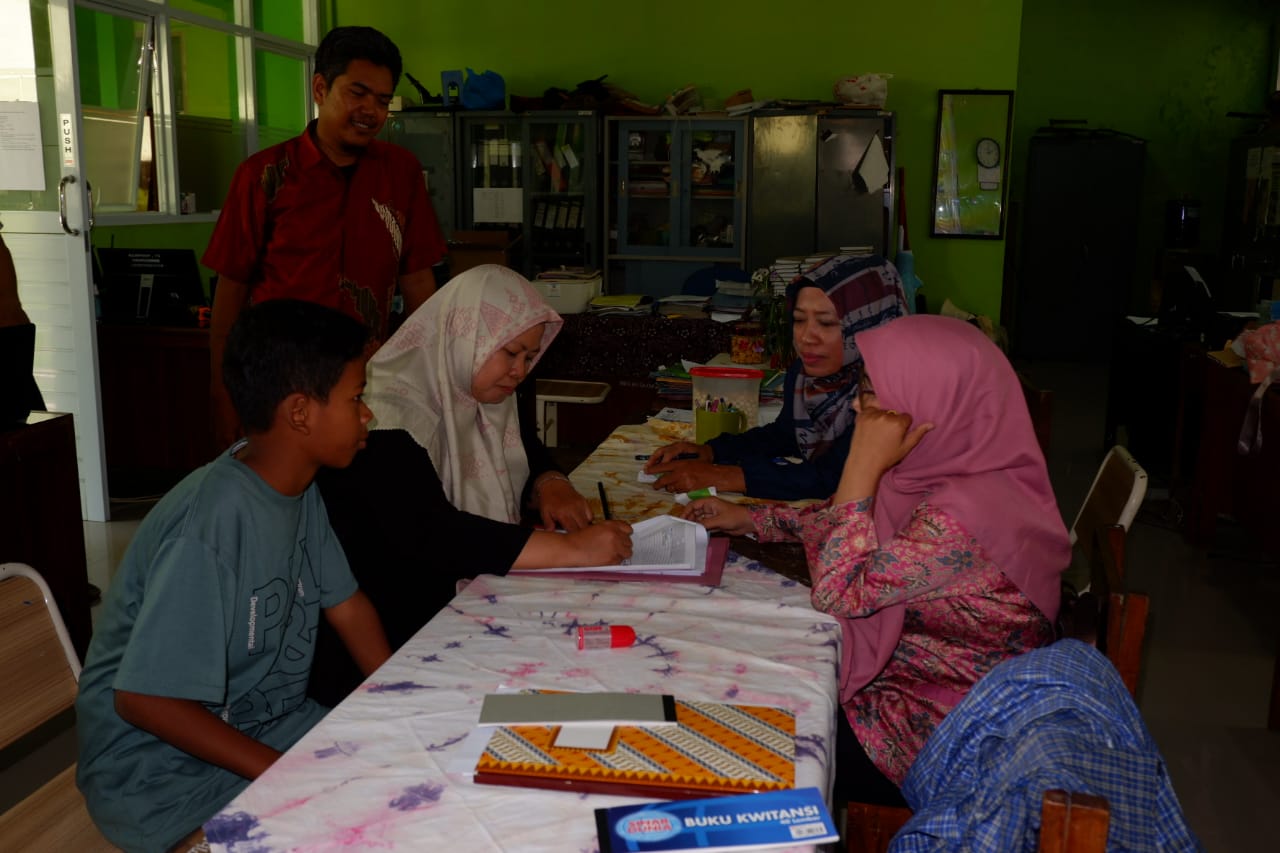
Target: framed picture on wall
971, 162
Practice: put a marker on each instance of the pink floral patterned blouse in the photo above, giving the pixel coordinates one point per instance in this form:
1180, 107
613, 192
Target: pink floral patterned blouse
963, 616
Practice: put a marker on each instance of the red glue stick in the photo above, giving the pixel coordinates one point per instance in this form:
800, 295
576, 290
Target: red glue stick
605, 636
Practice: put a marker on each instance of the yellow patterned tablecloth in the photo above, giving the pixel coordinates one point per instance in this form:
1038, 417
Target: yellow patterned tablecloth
614, 464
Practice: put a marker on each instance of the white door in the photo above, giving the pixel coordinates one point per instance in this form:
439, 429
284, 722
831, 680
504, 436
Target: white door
47, 230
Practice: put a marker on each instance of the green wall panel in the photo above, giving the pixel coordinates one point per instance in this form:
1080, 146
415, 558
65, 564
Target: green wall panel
1164, 70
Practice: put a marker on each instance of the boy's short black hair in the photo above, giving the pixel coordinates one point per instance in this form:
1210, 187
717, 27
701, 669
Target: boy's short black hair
286, 346
343, 44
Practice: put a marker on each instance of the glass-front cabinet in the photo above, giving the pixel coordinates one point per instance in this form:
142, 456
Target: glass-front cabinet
679, 186
534, 175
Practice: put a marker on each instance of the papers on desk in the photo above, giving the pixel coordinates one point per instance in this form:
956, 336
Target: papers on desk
679, 416
665, 545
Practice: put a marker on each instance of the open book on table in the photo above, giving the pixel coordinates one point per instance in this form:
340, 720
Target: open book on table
665, 545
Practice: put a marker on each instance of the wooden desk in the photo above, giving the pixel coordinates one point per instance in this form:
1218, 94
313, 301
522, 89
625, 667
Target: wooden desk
1211, 412
40, 508
155, 405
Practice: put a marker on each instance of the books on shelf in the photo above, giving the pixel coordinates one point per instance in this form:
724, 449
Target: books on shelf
714, 748
741, 822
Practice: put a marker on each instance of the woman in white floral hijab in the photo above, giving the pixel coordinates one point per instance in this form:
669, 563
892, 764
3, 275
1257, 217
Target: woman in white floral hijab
448, 378
437, 494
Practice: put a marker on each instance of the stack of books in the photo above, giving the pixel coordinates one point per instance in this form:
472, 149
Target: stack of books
675, 386
784, 270
683, 305
732, 300
621, 303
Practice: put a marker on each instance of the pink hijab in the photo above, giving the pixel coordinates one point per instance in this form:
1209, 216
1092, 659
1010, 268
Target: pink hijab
980, 464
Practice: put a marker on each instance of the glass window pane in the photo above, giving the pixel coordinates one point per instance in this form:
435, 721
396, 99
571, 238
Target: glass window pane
26, 74
210, 128
219, 10
112, 63
279, 18
281, 86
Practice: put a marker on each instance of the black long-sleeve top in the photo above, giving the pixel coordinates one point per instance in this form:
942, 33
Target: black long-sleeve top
407, 544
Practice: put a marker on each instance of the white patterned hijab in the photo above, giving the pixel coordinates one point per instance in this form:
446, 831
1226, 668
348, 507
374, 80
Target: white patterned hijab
420, 382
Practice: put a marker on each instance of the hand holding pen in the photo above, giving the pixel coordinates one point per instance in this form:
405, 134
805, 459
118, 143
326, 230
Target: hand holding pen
680, 450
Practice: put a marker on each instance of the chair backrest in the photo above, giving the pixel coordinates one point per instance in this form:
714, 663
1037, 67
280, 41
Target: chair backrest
1123, 613
40, 666
1114, 498
1040, 406
1073, 823
1108, 616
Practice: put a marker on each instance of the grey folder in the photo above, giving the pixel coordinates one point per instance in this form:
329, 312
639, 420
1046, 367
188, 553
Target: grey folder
549, 709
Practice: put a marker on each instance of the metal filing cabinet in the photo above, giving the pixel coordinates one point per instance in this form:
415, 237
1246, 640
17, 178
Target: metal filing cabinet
807, 194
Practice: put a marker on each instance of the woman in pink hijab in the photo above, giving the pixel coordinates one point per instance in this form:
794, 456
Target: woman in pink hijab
941, 549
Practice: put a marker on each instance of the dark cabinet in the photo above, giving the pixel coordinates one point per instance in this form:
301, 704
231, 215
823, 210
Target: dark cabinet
1078, 232
40, 505
809, 183
1252, 237
432, 137
155, 406
534, 175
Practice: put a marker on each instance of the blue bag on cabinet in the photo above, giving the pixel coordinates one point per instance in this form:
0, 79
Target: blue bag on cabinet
487, 91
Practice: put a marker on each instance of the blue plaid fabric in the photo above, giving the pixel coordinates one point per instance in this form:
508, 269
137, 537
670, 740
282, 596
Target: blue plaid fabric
1056, 717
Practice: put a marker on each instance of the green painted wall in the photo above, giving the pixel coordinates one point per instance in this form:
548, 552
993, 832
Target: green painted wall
792, 49
1164, 70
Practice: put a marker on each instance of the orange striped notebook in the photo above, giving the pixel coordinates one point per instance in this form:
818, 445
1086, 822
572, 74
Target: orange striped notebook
715, 748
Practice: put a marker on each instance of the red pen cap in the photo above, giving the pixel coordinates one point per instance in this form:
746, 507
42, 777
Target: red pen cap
621, 636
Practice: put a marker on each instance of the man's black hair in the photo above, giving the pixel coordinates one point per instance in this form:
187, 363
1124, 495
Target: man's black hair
286, 346
343, 44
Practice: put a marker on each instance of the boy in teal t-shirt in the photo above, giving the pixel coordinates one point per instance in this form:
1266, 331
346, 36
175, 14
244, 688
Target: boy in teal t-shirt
196, 678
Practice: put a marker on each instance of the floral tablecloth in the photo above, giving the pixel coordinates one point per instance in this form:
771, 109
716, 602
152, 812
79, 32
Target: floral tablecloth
382, 771
376, 773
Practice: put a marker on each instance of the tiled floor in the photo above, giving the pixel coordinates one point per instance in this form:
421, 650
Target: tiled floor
1211, 642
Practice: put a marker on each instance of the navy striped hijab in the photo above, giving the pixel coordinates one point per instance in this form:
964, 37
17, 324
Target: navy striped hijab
867, 291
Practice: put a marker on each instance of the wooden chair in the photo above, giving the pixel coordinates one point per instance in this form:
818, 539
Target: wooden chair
1040, 406
1114, 498
41, 671
1073, 823
1069, 822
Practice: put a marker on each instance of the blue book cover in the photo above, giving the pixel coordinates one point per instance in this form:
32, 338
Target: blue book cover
772, 818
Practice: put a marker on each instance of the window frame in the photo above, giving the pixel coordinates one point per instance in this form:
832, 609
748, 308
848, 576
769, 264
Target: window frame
248, 41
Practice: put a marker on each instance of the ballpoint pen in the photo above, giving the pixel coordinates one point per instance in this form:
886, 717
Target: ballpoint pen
604, 502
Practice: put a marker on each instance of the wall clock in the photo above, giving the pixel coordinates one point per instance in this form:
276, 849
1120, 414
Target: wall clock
988, 154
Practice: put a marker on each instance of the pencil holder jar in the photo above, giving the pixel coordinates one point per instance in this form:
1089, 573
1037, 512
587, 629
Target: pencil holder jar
725, 399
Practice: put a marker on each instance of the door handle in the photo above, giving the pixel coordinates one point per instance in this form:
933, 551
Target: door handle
89, 186
62, 204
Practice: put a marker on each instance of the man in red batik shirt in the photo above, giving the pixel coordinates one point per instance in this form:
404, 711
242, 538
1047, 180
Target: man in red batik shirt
333, 216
